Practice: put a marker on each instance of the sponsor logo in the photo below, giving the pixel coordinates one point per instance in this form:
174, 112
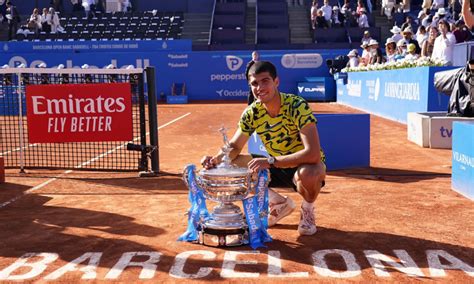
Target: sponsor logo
234, 93
301, 60
402, 91
5, 46
354, 88
164, 45
373, 88
300, 89
445, 132
177, 56
233, 62
227, 77
178, 65
463, 159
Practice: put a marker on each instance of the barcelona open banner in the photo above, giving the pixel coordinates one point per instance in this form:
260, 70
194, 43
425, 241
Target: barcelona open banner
79, 113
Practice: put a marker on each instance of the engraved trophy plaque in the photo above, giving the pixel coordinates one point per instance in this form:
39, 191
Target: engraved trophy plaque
224, 184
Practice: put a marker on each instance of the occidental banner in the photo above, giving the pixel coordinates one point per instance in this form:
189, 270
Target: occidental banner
79, 113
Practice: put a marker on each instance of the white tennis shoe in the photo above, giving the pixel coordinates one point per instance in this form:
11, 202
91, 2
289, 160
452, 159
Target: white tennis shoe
280, 211
307, 226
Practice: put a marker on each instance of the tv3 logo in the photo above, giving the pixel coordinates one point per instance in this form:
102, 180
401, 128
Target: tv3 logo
233, 62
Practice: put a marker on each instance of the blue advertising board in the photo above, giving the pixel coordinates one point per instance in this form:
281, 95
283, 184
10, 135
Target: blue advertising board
462, 179
393, 93
317, 89
208, 75
341, 152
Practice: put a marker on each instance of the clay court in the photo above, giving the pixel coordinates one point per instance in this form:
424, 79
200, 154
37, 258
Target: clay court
397, 221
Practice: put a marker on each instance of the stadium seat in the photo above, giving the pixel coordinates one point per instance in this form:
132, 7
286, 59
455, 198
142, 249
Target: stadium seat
178, 89
356, 34
330, 35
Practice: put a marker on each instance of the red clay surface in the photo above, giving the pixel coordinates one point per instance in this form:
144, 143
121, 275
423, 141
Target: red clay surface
401, 207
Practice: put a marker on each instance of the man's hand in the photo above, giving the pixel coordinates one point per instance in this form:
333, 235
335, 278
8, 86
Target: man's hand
209, 162
257, 164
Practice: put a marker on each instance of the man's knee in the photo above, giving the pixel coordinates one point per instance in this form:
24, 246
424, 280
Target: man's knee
310, 173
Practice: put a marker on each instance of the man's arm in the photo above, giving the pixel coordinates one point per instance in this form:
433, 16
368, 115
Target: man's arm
237, 143
467, 14
309, 155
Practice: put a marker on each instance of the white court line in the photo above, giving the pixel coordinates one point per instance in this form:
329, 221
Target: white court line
18, 149
81, 165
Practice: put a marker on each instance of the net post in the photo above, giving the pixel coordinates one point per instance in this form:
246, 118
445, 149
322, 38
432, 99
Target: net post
153, 119
20, 124
143, 166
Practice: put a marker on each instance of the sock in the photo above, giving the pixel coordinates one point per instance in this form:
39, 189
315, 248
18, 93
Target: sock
306, 205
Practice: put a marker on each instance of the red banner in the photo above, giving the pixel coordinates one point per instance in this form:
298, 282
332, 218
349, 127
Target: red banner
79, 113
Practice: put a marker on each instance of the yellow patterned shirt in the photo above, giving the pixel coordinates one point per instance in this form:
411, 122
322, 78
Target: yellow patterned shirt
279, 134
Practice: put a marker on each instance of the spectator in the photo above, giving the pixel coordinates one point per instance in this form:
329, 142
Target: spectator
76, 5
321, 21
444, 43
349, 19
421, 35
376, 55
467, 14
34, 22
461, 32
427, 21
408, 23
125, 5
390, 50
401, 49
327, 12
88, 6
407, 35
363, 21
360, 7
255, 58
427, 47
13, 18
337, 17
437, 4
396, 33
54, 20
57, 5
411, 52
423, 14
366, 38
426, 4
46, 21
314, 13
365, 57
353, 58
388, 7
406, 6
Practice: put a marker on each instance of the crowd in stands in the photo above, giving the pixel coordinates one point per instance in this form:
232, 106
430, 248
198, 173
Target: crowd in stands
335, 16
432, 35
48, 21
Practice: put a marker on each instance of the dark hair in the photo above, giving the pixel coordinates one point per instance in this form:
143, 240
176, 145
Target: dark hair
262, 66
444, 22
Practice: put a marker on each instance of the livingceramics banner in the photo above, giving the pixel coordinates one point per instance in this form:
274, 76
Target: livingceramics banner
393, 93
207, 75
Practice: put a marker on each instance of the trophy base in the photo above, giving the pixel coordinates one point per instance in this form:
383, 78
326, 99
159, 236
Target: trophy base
223, 237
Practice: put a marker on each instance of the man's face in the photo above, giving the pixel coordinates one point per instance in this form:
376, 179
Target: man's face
264, 87
442, 28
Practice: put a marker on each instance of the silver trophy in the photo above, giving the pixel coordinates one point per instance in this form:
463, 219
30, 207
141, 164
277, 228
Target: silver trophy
224, 184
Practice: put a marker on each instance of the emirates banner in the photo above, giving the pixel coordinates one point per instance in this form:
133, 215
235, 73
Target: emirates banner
79, 113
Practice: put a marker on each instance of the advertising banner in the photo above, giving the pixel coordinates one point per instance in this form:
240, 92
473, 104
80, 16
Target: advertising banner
463, 158
393, 93
208, 75
79, 113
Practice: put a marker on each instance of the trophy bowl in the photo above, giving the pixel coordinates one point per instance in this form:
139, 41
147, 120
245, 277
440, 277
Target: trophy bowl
224, 185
